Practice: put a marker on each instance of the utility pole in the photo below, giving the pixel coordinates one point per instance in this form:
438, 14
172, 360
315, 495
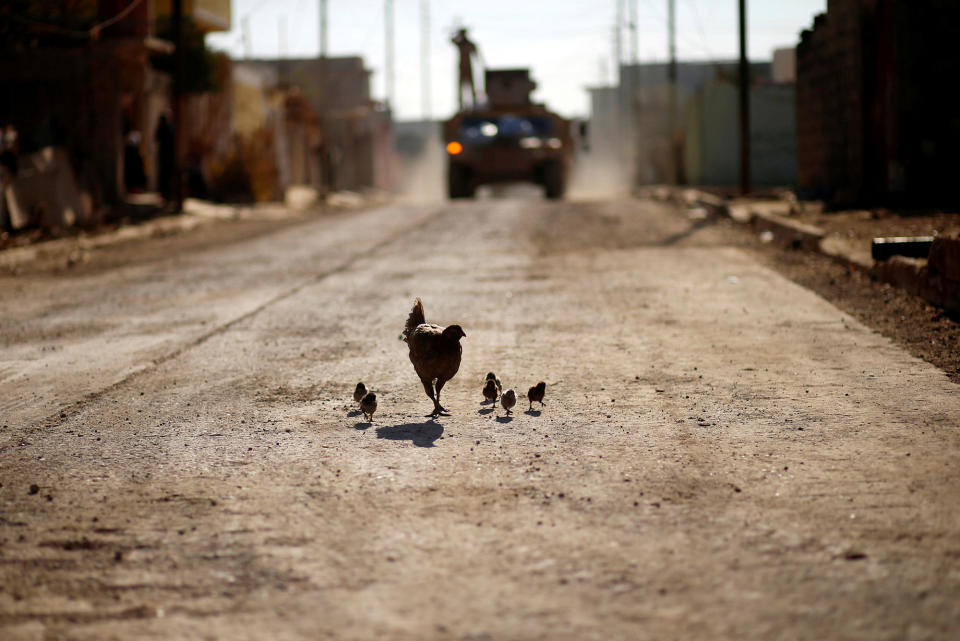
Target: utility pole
323, 58
425, 102
617, 42
179, 130
672, 101
744, 104
323, 28
388, 62
628, 126
323, 155
245, 31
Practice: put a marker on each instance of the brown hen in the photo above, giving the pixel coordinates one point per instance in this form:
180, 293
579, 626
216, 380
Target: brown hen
435, 353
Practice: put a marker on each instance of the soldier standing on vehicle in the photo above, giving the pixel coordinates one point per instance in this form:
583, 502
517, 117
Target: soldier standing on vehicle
467, 51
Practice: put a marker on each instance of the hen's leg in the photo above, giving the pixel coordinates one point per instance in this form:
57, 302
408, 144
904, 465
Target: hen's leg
428, 388
440, 384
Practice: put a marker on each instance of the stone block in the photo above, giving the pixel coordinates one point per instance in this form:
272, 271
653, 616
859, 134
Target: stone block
945, 257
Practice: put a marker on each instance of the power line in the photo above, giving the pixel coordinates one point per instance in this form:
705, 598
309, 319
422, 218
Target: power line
699, 24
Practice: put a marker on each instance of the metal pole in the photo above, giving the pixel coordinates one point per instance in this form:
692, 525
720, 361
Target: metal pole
672, 81
247, 43
323, 28
633, 31
425, 59
176, 23
617, 43
744, 103
388, 63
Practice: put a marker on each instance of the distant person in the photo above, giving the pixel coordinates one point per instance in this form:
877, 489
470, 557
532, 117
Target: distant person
166, 160
467, 51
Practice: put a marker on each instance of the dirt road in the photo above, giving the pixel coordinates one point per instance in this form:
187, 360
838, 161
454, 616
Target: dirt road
722, 454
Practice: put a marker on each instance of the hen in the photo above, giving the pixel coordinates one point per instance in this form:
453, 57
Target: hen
434, 351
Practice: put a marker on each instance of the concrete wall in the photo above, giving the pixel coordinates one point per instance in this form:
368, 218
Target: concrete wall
644, 104
712, 137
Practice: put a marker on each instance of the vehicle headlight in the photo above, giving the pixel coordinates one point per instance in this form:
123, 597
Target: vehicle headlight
531, 142
554, 143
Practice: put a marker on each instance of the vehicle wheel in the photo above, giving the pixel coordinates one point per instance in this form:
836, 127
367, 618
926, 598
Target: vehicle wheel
553, 183
458, 182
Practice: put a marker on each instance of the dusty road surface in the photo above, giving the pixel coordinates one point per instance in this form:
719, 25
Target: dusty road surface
722, 454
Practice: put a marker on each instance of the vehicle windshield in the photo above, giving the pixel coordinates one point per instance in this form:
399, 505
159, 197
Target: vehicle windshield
482, 130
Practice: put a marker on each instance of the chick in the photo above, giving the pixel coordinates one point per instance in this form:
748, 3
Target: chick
360, 392
535, 394
493, 377
368, 405
508, 400
490, 391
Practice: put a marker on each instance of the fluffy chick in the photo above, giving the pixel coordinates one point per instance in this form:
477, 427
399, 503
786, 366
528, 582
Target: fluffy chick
490, 391
535, 394
493, 377
434, 351
360, 392
368, 405
508, 400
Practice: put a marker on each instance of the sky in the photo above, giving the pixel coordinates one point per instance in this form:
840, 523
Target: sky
567, 44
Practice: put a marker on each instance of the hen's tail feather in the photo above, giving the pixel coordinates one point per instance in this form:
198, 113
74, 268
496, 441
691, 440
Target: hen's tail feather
415, 318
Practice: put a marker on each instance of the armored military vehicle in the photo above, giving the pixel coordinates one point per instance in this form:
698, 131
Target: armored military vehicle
508, 139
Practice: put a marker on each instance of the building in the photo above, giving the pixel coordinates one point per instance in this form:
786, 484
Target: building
647, 132
712, 136
356, 148
90, 80
874, 121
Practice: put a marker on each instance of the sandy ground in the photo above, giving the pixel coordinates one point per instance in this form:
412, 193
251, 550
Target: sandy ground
723, 454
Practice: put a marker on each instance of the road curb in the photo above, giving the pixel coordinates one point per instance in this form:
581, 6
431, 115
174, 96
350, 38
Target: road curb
936, 280
73, 248
196, 213
791, 233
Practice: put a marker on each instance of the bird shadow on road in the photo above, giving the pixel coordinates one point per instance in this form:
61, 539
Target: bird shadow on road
488, 410
363, 425
422, 434
533, 412
353, 413
504, 419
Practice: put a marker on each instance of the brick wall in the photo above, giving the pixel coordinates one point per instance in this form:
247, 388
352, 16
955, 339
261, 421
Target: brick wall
874, 123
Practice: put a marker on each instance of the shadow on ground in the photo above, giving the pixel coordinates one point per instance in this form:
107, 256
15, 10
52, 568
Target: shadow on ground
422, 434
